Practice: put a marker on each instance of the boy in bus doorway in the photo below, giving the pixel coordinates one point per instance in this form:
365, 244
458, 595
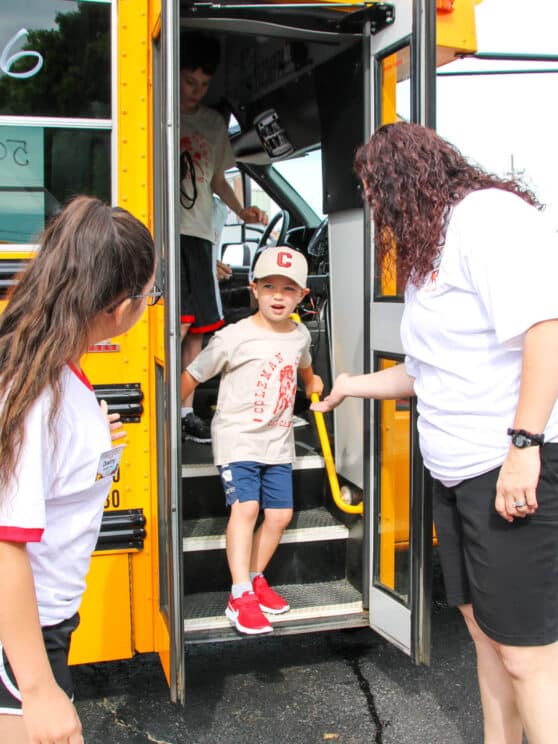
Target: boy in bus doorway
205, 155
253, 442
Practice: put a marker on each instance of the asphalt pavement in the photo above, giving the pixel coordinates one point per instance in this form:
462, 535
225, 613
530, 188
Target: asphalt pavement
343, 687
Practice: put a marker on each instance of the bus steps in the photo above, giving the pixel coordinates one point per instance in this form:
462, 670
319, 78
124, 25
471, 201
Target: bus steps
319, 606
307, 525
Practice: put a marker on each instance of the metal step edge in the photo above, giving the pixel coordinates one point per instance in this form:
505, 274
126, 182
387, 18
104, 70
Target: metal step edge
316, 612
303, 535
306, 462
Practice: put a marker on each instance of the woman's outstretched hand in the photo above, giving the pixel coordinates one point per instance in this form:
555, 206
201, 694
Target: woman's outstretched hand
335, 397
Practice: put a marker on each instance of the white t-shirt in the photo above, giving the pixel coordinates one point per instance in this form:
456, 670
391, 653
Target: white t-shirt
204, 135
463, 330
55, 501
253, 420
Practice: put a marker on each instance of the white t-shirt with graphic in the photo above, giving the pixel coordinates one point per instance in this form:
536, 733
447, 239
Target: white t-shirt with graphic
55, 501
204, 136
258, 367
463, 330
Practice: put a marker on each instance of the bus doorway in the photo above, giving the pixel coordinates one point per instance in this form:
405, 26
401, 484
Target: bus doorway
299, 86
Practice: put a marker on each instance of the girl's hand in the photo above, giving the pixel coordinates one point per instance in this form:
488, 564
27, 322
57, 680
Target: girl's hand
50, 717
516, 489
115, 425
332, 400
314, 386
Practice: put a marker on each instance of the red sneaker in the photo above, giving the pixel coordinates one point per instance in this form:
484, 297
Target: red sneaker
269, 600
246, 616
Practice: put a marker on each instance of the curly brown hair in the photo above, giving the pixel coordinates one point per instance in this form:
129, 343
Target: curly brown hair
412, 178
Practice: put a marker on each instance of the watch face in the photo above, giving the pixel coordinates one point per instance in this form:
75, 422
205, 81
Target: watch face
521, 441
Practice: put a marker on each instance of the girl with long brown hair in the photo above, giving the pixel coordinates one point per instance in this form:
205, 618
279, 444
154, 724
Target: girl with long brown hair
478, 261
90, 280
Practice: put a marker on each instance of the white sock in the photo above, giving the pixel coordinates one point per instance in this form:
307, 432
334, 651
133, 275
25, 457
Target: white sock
253, 574
237, 590
185, 410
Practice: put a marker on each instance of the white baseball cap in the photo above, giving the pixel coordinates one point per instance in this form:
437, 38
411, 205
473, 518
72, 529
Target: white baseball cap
281, 260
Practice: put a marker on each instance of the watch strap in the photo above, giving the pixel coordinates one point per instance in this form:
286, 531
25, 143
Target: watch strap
536, 439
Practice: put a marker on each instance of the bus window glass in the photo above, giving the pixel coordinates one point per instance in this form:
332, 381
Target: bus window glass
237, 243
41, 168
55, 58
305, 176
392, 564
395, 105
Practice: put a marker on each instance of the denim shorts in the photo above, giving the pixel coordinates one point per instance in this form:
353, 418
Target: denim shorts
271, 485
57, 642
508, 571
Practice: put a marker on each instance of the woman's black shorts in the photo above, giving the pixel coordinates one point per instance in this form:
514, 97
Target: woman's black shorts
57, 643
508, 571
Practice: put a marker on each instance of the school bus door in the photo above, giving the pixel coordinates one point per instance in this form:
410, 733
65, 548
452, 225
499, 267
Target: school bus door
401, 85
166, 344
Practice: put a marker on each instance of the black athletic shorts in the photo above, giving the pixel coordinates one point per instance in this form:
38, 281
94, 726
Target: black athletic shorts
57, 643
507, 570
200, 300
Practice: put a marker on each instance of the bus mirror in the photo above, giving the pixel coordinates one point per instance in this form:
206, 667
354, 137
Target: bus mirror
272, 134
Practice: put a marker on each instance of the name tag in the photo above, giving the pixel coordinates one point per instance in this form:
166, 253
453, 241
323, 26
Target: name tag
109, 462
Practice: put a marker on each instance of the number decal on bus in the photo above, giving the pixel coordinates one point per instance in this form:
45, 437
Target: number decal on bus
7, 60
17, 149
112, 501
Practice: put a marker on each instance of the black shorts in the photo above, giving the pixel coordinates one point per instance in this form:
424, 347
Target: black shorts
200, 300
507, 570
57, 643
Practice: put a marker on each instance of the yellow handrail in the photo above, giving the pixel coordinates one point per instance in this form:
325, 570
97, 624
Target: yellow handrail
330, 465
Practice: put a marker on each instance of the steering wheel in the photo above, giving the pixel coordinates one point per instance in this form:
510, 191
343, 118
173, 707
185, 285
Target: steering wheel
318, 243
282, 214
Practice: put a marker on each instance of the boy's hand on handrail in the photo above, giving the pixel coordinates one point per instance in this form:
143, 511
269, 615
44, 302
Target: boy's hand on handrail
315, 385
334, 398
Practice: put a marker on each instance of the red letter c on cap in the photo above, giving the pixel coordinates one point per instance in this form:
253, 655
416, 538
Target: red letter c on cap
284, 259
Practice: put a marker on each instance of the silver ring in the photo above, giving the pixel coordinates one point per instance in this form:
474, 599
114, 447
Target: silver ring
519, 504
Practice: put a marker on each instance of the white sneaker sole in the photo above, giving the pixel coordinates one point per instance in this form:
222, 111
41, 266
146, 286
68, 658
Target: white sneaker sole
269, 611
233, 617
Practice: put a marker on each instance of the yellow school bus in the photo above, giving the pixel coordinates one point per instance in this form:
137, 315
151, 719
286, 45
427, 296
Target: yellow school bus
89, 103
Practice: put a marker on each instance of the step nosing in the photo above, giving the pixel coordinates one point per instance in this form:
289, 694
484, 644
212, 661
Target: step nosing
297, 535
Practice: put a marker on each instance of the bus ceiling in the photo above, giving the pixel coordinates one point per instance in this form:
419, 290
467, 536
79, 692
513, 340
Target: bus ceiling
285, 19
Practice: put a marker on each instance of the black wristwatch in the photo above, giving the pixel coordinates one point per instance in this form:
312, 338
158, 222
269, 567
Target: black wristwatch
521, 438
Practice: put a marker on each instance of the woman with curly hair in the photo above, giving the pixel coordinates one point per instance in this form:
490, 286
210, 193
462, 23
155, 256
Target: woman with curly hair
90, 281
479, 264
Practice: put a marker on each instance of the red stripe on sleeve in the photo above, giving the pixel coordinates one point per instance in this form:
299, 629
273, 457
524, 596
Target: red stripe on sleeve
21, 534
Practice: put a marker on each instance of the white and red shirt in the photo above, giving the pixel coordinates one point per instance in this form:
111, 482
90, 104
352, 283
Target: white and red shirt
55, 501
253, 420
203, 134
463, 330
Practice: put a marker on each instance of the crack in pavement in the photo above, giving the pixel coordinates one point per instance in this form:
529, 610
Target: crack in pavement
352, 658
112, 709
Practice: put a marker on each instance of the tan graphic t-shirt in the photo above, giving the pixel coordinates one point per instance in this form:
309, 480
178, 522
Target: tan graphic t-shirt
204, 136
258, 370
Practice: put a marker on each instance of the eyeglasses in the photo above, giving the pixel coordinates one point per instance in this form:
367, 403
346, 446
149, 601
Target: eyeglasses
153, 297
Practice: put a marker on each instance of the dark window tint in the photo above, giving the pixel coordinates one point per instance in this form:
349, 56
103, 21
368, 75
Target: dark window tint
55, 58
40, 169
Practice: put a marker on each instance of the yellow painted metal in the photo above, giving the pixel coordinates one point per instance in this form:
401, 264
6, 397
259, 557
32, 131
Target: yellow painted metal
394, 497
456, 31
132, 363
105, 633
330, 465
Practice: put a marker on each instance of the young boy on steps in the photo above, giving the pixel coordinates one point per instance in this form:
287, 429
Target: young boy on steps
252, 434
